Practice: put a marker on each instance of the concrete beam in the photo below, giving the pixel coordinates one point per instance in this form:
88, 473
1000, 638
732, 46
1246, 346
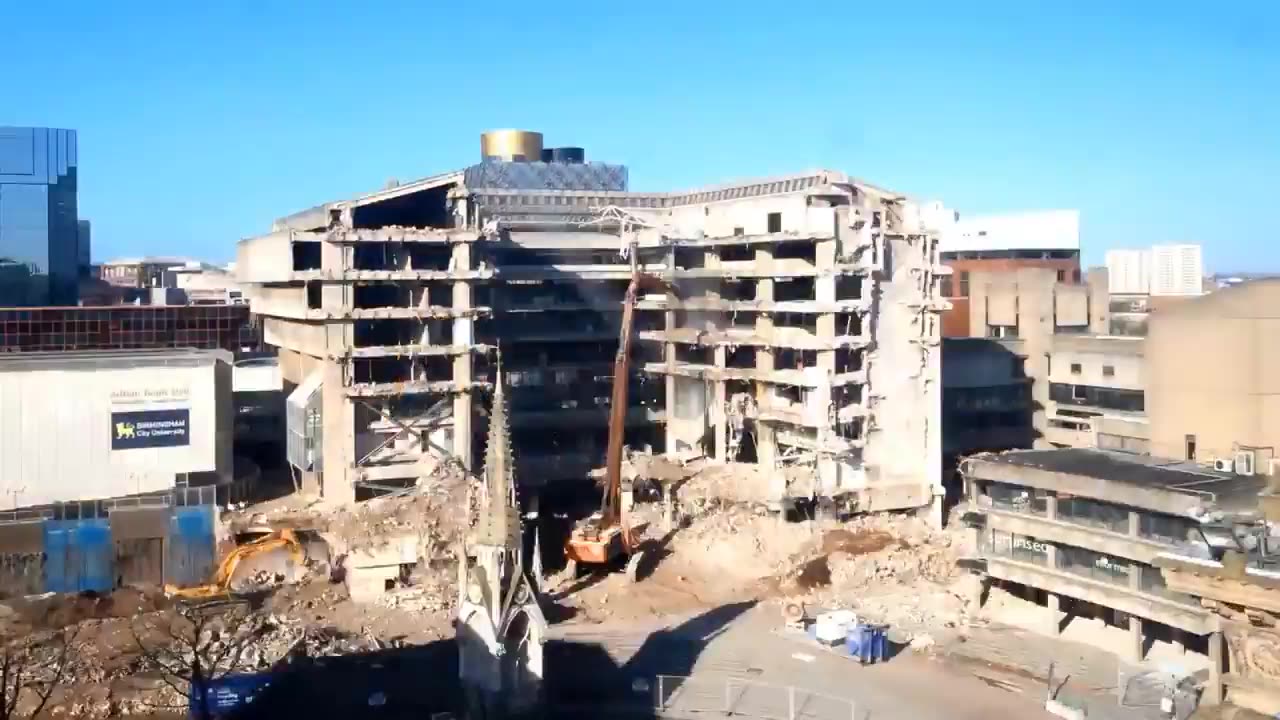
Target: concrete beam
412, 387
386, 275
829, 445
1090, 538
411, 351
1139, 496
562, 271
760, 239
777, 269
737, 337
431, 312
712, 373
802, 307
403, 235
1192, 619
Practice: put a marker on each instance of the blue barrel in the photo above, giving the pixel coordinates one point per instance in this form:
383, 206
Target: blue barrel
860, 641
882, 643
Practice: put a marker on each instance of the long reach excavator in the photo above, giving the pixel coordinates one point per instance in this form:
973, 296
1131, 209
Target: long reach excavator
607, 535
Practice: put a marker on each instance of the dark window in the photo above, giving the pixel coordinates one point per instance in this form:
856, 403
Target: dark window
1062, 276
1087, 511
1096, 566
945, 286
1018, 499
775, 222
964, 284
1095, 396
738, 231
313, 295
1191, 447
1108, 371
1165, 528
1075, 368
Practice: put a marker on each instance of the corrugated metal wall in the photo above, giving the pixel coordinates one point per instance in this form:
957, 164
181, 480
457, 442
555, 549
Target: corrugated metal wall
176, 545
56, 425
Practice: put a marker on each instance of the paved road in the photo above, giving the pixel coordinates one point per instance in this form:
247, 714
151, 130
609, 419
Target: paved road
743, 644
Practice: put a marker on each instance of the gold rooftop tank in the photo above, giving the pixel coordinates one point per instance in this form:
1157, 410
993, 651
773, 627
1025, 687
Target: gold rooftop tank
511, 145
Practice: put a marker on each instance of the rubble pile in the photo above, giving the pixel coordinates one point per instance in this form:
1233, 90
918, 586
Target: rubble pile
737, 542
432, 511
889, 569
141, 680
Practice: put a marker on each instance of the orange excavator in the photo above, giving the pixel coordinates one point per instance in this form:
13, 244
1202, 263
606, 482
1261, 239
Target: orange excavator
607, 534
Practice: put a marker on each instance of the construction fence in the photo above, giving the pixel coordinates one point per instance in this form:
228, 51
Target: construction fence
130, 545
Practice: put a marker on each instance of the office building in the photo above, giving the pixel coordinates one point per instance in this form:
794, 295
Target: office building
39, 221
1176, 270
1004, 243
1081, 531
387, 309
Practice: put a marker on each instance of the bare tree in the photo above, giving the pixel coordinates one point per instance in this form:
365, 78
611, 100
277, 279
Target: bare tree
191, 646
32, 668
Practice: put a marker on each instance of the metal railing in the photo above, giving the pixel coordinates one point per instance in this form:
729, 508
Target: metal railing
676, 696
180, 496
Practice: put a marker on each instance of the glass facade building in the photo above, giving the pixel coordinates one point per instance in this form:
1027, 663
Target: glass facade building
39, 217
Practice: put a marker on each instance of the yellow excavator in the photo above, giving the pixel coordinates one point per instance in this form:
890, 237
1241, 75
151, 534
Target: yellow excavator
284, 539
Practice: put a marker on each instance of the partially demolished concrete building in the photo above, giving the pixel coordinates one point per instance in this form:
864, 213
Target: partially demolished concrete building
801, 333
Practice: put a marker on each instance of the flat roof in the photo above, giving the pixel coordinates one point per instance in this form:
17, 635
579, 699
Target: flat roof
1030, 230
1231, 492
102, 359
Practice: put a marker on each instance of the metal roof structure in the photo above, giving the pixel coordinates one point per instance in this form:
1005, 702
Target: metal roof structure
1230, 491
105, 359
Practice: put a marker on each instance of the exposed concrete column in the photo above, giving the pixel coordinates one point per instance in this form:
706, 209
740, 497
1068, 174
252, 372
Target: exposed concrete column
1213, 694
766, 444
337, 481
718, 414
669, 357
1134, 650
463, 334
1051, 506
825, 292
1053, 625
1135, 523
339, 451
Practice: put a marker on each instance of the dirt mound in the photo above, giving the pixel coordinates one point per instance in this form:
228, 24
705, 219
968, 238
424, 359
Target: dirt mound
858, 543
54, 612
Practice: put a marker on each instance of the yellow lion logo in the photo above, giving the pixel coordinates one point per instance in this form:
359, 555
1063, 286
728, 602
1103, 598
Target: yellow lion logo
124, 430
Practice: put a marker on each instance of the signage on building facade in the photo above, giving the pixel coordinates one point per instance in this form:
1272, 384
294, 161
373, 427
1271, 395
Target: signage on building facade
151, 395
150, 429
1026, 544
1110, 565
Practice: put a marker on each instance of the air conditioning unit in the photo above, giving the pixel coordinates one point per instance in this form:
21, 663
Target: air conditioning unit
1223, 465
1244, 462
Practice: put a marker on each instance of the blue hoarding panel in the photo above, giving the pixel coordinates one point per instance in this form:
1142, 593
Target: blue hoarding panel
191, 545
78, 555
228, 694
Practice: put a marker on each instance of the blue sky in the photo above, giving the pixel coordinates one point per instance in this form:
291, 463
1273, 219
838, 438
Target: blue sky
201, 122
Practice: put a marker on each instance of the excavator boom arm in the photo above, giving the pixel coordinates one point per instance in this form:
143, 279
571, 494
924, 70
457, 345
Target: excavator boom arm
610, 510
